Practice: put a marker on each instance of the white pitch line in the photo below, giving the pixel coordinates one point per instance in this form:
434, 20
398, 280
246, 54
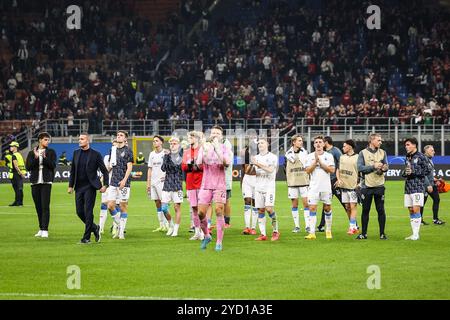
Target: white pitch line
93, 296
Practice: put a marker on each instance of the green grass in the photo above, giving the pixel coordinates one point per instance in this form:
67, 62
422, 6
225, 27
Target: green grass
150, 264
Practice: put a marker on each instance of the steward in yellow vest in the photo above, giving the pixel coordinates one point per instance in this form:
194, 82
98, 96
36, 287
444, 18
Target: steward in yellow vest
140, 159
17, 173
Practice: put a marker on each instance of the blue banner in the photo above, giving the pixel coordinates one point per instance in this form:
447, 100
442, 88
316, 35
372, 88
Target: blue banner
441, 160
69, 148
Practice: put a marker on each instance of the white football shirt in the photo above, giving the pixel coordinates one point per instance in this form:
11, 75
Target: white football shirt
319, 178
266, 181
106, 162
155, 161
302, 155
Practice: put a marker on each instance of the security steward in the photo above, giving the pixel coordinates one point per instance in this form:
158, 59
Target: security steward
17, 173
62, 160
140, 159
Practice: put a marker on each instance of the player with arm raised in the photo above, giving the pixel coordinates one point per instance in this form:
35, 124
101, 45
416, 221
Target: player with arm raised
213, 158
319, 165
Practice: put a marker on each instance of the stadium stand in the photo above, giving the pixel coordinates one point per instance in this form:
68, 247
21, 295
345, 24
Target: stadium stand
257, 59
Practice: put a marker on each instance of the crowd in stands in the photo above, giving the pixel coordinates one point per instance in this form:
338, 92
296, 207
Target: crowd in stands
254, 59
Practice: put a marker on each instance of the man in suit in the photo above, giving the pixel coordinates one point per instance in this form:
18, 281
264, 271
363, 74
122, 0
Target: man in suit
41, 163
84, 179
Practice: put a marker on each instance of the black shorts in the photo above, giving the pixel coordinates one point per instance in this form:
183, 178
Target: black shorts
228, 194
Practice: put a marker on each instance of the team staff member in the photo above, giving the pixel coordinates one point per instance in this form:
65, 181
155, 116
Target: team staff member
17, 173
84, 179
432, 189
336, 192
372, 164
41, 163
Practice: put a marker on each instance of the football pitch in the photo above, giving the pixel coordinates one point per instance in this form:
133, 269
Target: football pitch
154, 266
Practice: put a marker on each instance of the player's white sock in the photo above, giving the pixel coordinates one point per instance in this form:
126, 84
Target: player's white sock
254, 217
198, 231
175, 229
295, 217
262, 223
312, 222
116, 216
415, 223
123, 223
328, 220
247, 215
171, 224
273, 216
209, 223
166, 222
103, 216
161, 217
306, 216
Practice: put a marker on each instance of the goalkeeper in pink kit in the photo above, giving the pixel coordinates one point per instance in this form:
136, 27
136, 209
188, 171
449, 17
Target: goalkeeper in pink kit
214, 158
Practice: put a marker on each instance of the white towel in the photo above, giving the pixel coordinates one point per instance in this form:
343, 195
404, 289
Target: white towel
113, 158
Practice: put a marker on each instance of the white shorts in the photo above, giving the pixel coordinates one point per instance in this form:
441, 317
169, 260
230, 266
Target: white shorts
414, 200
315, 197
156, 191
114, 194
175, 196
248, 186
297, 192
349, 196
105, 196
264, 199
